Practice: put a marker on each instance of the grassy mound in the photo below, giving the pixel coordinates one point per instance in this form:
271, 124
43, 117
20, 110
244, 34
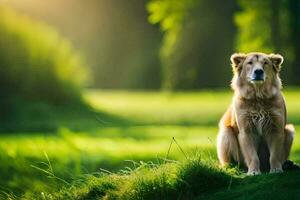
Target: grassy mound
193, 179
175, 180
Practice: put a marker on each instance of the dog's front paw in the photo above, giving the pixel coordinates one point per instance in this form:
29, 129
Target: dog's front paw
276, 170
253, 172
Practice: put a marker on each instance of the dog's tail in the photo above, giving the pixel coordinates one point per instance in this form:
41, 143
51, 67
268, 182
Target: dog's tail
289, 131
288, 164
290, 128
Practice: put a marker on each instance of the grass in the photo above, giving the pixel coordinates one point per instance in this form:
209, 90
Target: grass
163, 108
149, 181
97, 156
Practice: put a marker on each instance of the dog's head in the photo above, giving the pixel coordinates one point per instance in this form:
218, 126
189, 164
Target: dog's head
256, 70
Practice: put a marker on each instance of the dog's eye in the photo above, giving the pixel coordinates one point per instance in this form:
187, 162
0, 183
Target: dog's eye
250, 62
265, 63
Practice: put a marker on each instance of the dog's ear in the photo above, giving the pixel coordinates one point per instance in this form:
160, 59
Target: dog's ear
237, 59
277, 60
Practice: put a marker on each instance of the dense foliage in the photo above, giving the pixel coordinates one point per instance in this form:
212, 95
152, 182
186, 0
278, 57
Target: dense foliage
199, 37
37, 67
120, 46
197, 43
271, 26
36, 62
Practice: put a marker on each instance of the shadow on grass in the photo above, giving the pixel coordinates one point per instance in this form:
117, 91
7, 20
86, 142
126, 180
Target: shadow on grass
40, 117
266, 186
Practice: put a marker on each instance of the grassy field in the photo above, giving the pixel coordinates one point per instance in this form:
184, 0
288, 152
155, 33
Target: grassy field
121, 150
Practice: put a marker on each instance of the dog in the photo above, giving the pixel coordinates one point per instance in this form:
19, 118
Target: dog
253, 131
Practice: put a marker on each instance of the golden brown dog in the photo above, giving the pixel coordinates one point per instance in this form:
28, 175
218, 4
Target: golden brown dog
254, 131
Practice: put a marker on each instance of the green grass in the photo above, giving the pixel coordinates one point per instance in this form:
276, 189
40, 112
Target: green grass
124, 129
162, 108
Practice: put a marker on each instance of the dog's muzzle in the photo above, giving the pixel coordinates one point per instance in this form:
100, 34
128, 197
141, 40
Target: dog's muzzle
258, 75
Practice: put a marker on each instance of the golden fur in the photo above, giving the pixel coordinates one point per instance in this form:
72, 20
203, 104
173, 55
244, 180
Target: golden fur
253, 131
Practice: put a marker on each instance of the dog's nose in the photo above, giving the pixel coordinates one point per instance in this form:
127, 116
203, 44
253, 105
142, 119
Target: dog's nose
258, 72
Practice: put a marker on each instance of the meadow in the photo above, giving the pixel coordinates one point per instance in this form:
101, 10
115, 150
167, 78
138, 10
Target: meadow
137, 145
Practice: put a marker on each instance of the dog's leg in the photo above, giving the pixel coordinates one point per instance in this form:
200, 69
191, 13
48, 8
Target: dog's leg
227, 146
276, 142
249, 146
289, 137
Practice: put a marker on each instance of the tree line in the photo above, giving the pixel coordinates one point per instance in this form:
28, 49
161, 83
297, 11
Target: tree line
170, 44
199, 37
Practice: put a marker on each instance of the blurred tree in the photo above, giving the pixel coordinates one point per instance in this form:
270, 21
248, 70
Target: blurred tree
198, 41
294, 27
275, 25
171, 16
120, 45
198, 37
36, 65
271, 26
254, 26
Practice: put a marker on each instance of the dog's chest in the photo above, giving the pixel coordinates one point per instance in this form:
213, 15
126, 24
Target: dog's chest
261, 120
